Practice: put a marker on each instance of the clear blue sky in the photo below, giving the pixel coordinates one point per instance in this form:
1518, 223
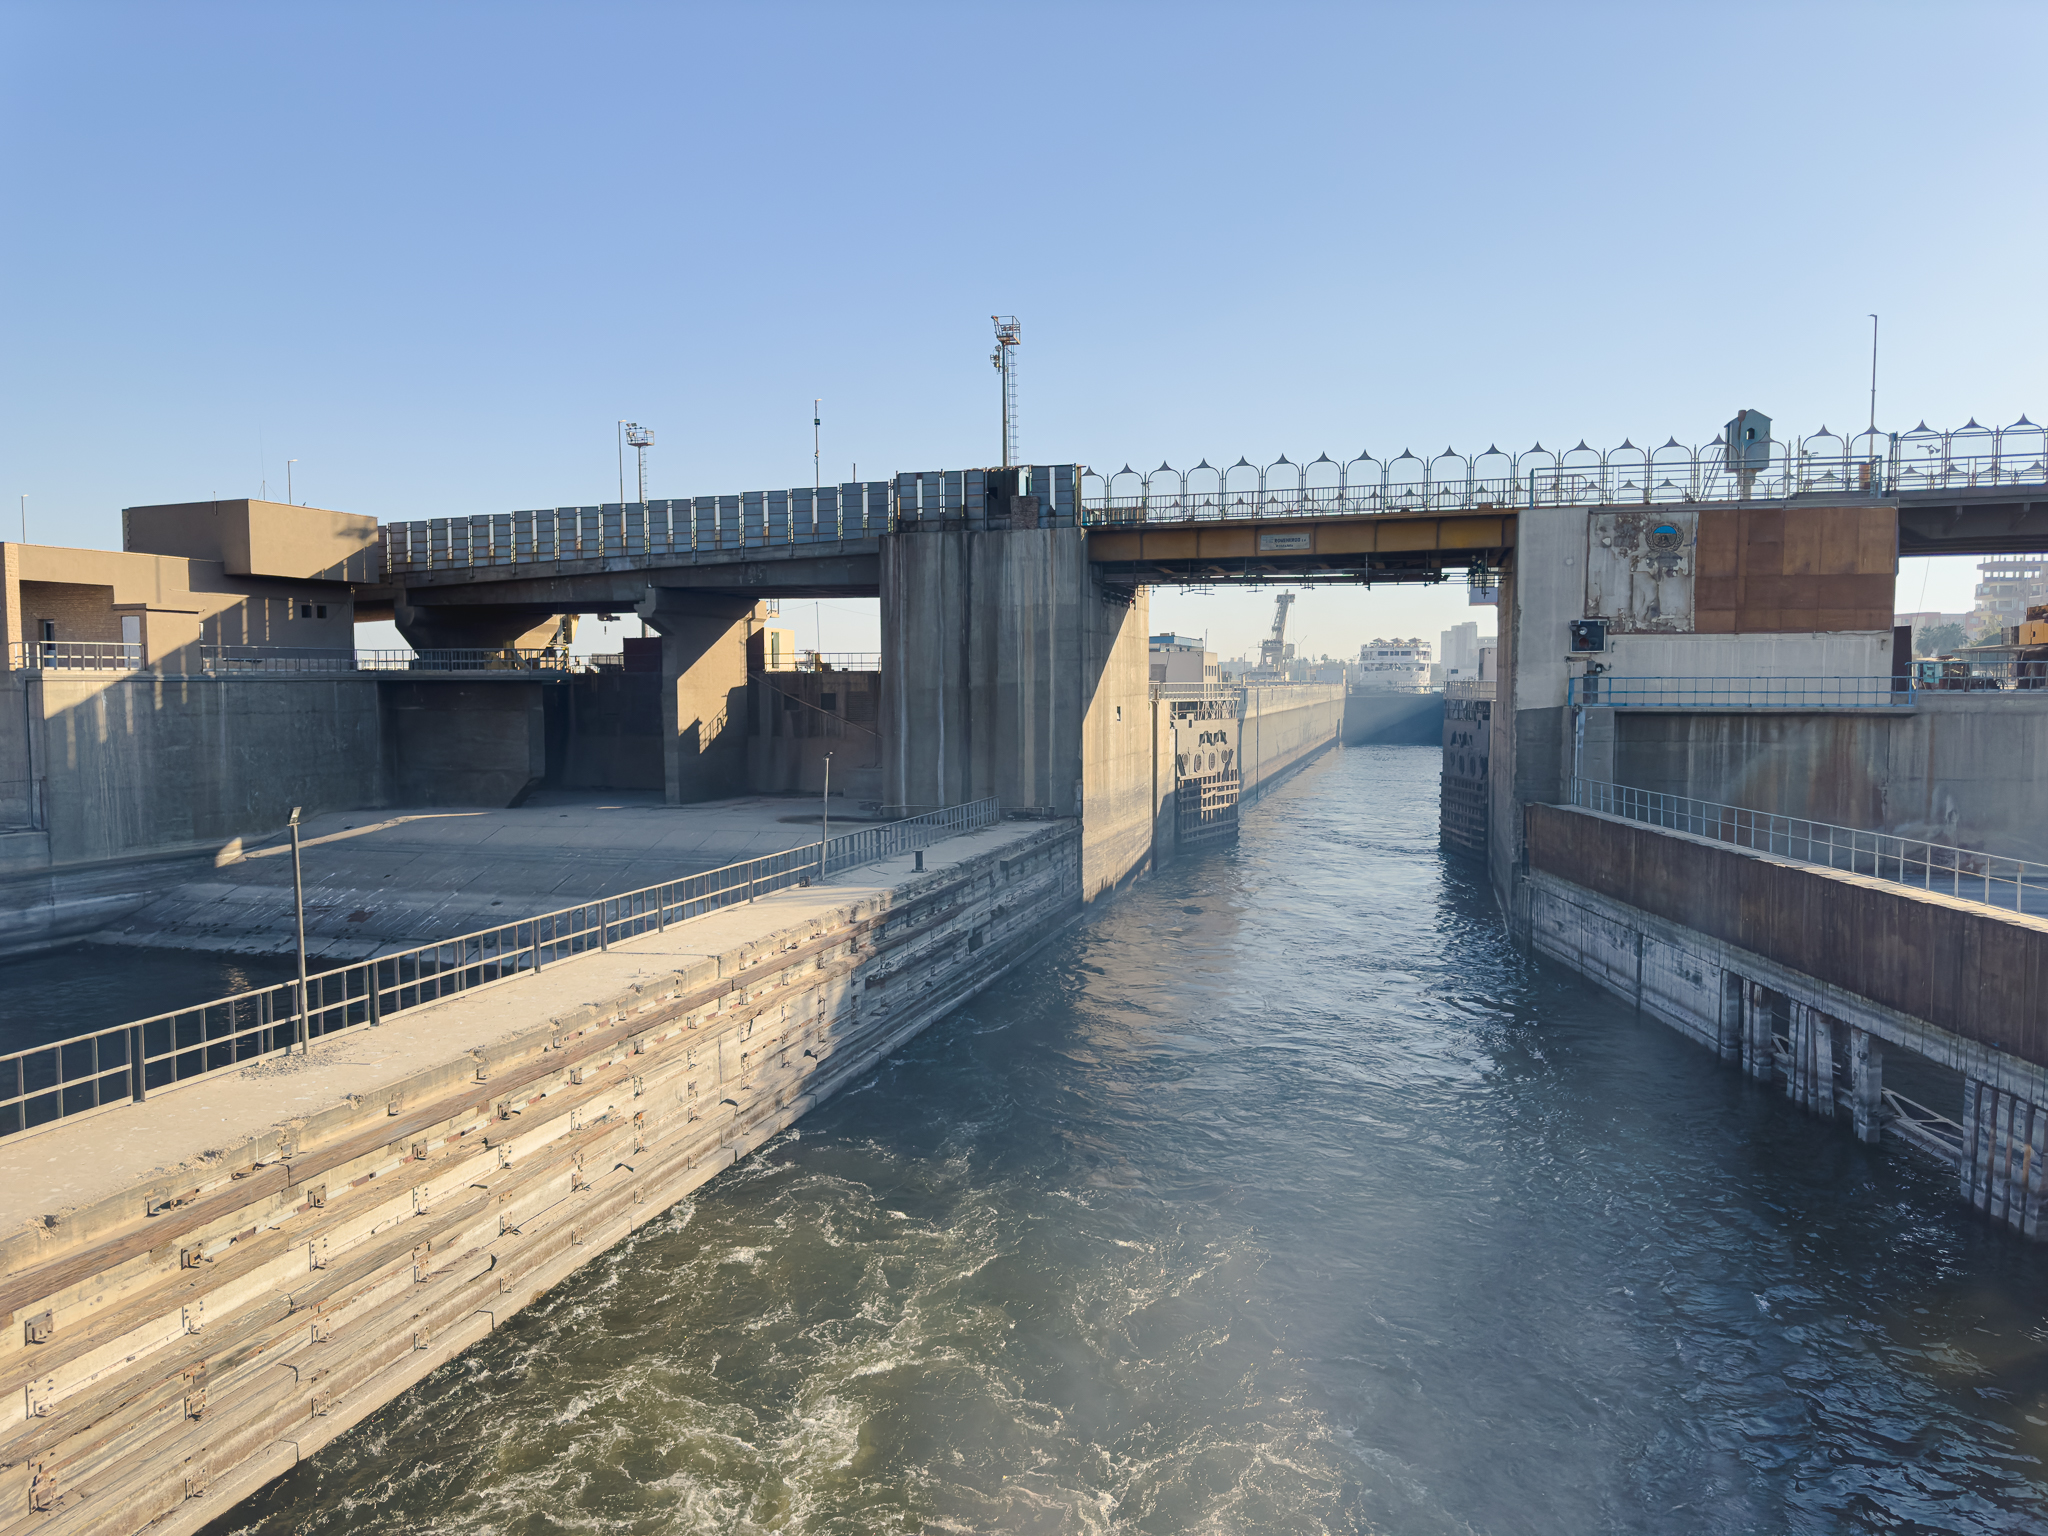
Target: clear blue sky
435, 251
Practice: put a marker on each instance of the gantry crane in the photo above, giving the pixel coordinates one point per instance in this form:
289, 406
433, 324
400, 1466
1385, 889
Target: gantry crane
1273, 652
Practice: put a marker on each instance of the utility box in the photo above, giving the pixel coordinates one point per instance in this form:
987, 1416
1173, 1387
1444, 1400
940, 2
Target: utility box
1589, 636
1749, 442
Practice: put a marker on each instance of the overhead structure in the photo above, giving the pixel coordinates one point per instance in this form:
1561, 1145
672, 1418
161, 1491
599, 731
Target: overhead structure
1009, 335
641, 438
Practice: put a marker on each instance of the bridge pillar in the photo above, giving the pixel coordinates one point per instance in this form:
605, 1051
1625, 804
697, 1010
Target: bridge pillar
1759, 1049
2004, 1141
1007, 671
703, 690
1866, 1085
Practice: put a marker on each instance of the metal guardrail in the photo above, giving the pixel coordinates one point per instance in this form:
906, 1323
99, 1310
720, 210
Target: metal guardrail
838, 661
1972, 675
73, 656
1997, 880
684, 530
1607, 691
1971, 457
236, 660
1471, 687
100, 1069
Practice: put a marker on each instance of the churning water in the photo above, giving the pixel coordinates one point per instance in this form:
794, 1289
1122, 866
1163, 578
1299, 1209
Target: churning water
1281, 1196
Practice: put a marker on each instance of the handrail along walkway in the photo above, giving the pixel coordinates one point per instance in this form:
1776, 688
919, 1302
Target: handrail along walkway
1996, 880
86, 1072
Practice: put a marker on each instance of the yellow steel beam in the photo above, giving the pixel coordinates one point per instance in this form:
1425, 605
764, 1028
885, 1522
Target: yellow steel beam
1379, 533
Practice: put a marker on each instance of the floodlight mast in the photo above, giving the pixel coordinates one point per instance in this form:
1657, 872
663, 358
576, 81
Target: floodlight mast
1009, 335
640, 437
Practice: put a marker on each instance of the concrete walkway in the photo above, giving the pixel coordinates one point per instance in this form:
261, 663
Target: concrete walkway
192, 1129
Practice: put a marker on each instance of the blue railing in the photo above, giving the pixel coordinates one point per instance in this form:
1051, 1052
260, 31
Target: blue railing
1607, 691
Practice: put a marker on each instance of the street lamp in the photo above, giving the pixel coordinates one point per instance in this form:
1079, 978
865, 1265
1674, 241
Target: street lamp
299, 903
825, 822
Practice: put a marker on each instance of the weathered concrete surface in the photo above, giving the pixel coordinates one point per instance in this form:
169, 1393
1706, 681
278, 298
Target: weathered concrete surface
1007, 671
1381, 717
1973, 971
449, 743
1283, 727
383, 880
1964, 768
247, 1266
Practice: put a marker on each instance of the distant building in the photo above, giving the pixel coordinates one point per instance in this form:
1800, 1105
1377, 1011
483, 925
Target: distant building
1182, 659
1458, 653
2007, 585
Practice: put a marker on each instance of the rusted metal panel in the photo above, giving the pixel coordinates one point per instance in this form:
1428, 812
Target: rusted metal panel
1975, 971
1639, 570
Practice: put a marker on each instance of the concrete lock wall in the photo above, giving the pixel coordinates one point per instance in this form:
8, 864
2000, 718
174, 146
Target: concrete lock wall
1007, 671
1283, 727
176, 1340
797, 717
1970, 971
135, 762
462, 743
604, 731
1957, 768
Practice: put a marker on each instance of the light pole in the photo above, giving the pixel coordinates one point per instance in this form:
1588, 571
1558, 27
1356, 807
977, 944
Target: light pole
299, 903
622, 464
24, 517
1873, 375
817, 476
825, 823
288, 463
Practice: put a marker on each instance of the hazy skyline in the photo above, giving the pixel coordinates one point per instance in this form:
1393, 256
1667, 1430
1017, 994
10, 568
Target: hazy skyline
434, 254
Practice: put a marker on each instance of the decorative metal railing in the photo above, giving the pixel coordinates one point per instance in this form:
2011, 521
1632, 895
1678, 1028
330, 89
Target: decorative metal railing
682, 531
1607, 691
126, 1062
1827, 463
1997, 880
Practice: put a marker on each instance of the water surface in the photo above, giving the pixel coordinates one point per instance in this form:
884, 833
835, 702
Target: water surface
1283, 1196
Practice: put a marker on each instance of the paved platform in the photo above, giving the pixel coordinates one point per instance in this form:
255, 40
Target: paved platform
383, 880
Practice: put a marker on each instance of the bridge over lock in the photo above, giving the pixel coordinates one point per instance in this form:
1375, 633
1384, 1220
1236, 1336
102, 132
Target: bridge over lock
1700, 779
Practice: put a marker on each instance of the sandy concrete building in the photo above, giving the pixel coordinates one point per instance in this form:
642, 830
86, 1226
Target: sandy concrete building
189, 580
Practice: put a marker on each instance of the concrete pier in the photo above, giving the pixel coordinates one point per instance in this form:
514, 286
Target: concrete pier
204, 1289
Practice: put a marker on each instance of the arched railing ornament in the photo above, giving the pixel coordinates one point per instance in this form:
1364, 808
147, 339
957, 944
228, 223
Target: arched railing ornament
1171, 493
1407, 481
1493, 477
1364, 483
1626, 472
2023, 453
1448, 478
1241, 491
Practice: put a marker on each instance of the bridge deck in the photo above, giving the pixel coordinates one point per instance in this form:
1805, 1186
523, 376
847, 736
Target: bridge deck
1377, 547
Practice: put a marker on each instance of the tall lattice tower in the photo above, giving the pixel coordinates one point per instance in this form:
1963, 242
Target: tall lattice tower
1008, 335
